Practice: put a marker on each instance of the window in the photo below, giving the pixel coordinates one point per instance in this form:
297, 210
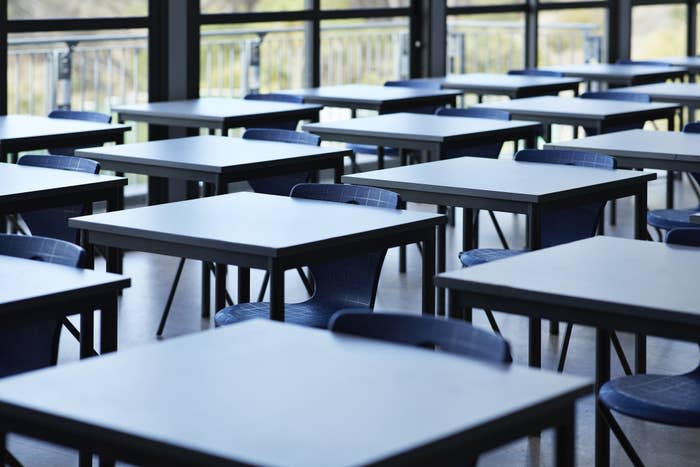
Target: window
571, 36
658, 31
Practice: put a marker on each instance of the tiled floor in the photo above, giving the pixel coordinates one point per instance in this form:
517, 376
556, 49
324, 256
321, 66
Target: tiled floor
658, 445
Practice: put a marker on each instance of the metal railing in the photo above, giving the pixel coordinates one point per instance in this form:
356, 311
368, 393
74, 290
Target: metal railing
95, 72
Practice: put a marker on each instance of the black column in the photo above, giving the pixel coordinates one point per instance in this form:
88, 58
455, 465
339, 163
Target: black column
531, 21
619, 29
3, 57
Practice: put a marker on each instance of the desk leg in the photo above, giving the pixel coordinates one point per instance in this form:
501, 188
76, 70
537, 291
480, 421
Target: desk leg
380, 157
338, 171
106, 461
441, 260
206, 290
534, 242
565, 451
276, 292
602, 375
220, 286
669, 189
428, 273
108, 327
640, 353
115, 256
402, 248
243, 285
640, 214
87, 333
467, 229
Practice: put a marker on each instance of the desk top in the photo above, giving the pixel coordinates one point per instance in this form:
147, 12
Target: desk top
421, 127
359, 95
36, 128
28, 283
576, 107
257, 224
692, 63
279, 394
215, 154
499, 179
505, 82
21, 182
665, 91
612, 71
600, 274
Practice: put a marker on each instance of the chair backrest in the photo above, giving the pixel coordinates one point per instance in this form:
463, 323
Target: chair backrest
280, 184
563, 225
536, 72
278, 97
451, 336
54, 222
349, 282
475, 150
420, 84
34, 346
685, 236
618, 96
76, 115
626, 61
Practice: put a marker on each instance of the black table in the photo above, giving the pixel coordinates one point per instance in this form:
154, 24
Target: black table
600, 114
215, 113
621, 75
287, 395
275, 233
508, 186
431, 133
605, 282
686, 94
513, 86
26, 188
35, 290
383, 99
637, 149
29, 132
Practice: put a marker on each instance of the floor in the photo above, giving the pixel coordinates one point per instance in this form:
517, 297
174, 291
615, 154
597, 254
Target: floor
658, 445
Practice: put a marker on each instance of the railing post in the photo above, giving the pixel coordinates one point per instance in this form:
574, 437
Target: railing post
455, 53
250, 81
402, 54
63, 82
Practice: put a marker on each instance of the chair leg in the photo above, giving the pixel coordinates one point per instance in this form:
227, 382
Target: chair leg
75, 333
613, 211
693, 185
620, 353
660, 234
263, 287
171, 296
492, 321
497, 226
620, 435
307, 282
229, 300
10, 460
565, 347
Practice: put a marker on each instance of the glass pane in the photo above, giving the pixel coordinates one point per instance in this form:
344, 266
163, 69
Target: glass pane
571, 36
252, 57
251, 6
347, 4
658, 31
368, 51
455, 3
491, 43
23, 9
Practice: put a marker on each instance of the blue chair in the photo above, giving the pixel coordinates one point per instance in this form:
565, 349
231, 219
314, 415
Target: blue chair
536, 72
666, 399
491, 151
449, 336
342, 283
278, 97
558, 226
277, 185
667, 219
76, 115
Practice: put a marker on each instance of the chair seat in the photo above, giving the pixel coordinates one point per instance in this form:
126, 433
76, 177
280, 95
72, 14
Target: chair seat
486, 255
309, 313
671, 400
369, 149
667, 219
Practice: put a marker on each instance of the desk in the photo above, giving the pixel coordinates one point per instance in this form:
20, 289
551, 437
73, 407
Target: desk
508, 186
432, 133
30, 132
214, 113
35, 290
278, 394
600, 114
636, 149
628, 285
513, 86
621, 75
275, 233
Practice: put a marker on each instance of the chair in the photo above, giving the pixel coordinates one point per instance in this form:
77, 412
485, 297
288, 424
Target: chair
667, 219
76, 115
277, 97
536, 72
666, 399
53, 222
276, 185
342, 283
491, 151
451, 336
559, 226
